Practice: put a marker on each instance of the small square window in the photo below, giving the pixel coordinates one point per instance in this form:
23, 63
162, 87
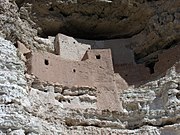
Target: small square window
46, 62
98, 57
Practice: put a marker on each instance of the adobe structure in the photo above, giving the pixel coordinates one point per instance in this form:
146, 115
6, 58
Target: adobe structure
76, 64
94, 69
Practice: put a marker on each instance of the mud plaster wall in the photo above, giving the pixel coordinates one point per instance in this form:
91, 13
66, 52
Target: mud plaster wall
94, 72
68, 48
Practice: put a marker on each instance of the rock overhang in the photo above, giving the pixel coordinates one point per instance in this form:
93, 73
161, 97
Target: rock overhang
90, 19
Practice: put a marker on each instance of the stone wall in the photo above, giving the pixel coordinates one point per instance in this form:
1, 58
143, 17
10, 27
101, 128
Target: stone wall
96, 71
52, 68
68, 48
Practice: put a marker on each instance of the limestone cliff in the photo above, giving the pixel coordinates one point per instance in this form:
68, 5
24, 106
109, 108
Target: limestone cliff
33, 107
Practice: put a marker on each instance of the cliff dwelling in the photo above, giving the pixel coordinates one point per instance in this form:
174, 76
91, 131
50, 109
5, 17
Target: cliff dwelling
76, 64
122, 55
108, 66
88, 58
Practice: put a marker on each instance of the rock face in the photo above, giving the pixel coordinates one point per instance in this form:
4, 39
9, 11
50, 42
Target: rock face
29, 106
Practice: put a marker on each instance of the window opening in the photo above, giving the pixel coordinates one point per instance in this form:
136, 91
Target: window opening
46, 62
98, 57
